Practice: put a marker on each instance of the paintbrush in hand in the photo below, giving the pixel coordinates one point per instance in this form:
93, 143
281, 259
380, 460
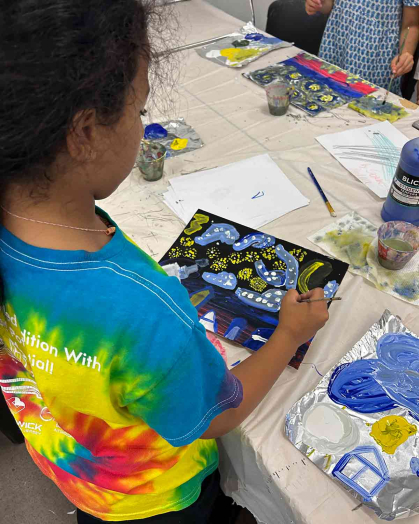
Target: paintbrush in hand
400, 54
310, 300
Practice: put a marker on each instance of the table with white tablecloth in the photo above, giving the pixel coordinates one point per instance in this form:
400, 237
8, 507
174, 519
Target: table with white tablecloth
260, 468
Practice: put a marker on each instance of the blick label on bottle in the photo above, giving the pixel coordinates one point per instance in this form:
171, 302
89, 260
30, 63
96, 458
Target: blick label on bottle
405, 188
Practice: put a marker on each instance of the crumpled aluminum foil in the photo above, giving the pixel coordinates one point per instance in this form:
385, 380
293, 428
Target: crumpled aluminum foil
213, 48
177, 129
399, 497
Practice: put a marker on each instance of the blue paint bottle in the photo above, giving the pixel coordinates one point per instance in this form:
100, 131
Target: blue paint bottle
403, 199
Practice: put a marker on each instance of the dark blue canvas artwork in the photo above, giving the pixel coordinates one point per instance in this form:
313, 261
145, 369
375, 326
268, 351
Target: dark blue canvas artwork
237, 277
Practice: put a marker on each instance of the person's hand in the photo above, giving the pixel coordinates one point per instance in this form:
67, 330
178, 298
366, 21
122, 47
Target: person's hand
402, 64
313, 6
301, 321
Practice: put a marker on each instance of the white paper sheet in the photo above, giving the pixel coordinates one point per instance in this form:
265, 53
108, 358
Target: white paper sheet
370, 153
252, 192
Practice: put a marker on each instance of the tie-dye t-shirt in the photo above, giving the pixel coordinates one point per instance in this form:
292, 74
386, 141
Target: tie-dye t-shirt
110, 376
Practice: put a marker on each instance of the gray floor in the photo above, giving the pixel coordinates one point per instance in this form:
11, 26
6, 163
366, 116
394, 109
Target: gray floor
26, 495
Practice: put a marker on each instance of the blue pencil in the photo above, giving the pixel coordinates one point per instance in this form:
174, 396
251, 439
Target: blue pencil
326, 201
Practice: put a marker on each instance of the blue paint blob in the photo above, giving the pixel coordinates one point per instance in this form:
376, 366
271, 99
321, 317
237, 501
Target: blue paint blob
254, 36
291, 274
236, 327
225, 233
353, 385
375, 385
275, 278
269, 300
154, 131
258, 338
414, 466
330, 289
257, 240
224, 279
368, 464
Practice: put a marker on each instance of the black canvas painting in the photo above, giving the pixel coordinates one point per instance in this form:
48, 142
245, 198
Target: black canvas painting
236, 277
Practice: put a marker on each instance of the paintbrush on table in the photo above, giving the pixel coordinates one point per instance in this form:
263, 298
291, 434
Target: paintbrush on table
325, 199
392, 76
309, 300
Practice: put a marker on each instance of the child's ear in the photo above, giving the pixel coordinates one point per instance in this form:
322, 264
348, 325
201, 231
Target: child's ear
82, 138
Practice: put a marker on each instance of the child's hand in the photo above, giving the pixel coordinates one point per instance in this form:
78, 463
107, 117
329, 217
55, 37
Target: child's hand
313, 6
302, 321
402, 64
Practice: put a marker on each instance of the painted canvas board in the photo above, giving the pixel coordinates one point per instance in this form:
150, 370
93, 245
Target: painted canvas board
238, 50
236, 277
360, 424
370, 153
374, 108
318, 85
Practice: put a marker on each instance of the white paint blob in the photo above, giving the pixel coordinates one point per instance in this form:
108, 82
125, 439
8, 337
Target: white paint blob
329, 429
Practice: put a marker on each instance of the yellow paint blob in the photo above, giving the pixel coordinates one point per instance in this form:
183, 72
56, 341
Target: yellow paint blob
305, 276
392, 431
196, 224
179, 143
239, 54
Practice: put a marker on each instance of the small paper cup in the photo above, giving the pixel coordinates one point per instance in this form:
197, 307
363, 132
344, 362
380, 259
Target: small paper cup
391, 255
150, 160
278, 95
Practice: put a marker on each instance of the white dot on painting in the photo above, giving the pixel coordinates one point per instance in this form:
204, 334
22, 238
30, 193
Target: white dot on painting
270, 305
273, 274
251, 295
264, 301
266, 273
269, 279
258, 299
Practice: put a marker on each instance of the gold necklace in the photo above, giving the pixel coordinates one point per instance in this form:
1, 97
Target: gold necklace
109, 231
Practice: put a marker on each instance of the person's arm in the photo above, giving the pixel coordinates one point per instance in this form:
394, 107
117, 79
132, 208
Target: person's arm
402, 64
319, 6
297, 324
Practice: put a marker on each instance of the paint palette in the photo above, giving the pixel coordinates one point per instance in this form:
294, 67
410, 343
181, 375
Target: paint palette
175, 135
318, 86
360, 424
238, 50
374, 108
237, 277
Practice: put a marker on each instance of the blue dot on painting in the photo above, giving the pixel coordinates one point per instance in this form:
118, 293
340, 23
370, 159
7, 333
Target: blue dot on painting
414, 466
254, 36
154, 131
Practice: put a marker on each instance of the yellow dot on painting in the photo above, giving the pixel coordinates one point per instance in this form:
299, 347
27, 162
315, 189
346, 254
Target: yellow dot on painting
326, 98
314, 87
295, 75
179, 143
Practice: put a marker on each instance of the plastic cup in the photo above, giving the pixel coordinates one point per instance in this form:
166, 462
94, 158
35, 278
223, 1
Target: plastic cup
398, 243
150, 160
278, 95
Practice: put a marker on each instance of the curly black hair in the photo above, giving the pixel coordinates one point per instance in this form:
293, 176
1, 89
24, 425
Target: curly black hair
59, 57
